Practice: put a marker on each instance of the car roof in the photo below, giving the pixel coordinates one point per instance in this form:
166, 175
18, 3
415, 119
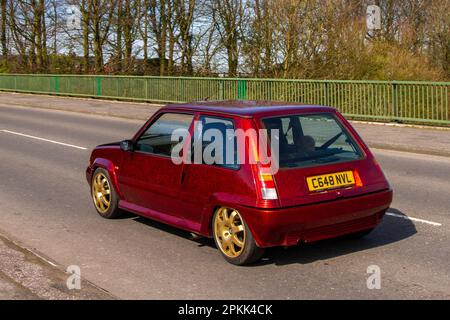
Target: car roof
248, 108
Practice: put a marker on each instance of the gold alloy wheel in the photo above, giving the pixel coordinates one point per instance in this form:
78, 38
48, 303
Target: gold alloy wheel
101, 192
229, 232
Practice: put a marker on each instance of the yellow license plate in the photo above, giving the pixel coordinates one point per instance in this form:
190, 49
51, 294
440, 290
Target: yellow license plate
331, 181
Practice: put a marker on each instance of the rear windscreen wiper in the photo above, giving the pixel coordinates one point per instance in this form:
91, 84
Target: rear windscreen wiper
331, 141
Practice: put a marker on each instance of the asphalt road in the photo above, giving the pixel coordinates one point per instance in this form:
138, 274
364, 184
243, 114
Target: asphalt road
45, 204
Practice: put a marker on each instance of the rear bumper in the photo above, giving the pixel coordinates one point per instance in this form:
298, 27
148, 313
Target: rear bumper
289, 226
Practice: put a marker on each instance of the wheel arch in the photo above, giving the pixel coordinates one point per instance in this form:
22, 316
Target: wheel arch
107, 165
215, 202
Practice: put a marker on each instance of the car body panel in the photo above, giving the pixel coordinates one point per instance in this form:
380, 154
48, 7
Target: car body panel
150, 180
186, 196
288, 226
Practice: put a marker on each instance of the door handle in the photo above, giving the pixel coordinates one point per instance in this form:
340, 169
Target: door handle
182, 176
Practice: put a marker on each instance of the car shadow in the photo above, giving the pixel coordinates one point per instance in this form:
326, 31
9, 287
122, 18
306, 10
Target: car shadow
391, 230
201, 241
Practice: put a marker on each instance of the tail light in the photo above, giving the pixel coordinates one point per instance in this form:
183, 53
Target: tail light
266, 183
358, 181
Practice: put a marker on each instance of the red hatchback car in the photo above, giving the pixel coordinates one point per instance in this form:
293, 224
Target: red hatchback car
327, 184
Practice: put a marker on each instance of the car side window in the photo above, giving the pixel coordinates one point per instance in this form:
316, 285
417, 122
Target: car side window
226, 128
157, 139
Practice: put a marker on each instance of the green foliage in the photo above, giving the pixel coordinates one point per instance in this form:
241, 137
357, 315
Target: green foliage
65, 64
4, 68
392, 62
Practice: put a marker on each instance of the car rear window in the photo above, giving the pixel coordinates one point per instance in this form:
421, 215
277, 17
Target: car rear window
311, 140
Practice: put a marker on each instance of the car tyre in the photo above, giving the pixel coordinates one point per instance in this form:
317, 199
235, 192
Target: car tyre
233, 238
105, 198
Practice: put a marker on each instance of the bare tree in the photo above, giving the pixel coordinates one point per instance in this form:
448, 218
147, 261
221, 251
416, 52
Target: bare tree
229, 19
158, 19
262, 38
86, 21
185, 10
126, 32
27, 25
143, 7
129, 29
438, 35
3, 19
207, 42
259, 40
101, 14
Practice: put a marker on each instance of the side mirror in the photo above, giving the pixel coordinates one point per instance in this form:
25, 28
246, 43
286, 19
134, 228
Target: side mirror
127, 145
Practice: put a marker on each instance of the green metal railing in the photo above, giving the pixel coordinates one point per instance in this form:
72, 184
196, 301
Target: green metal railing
415, 102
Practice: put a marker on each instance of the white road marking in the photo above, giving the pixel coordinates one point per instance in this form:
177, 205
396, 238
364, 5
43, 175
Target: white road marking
42, 139
32, 252
436, 224
42, 258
